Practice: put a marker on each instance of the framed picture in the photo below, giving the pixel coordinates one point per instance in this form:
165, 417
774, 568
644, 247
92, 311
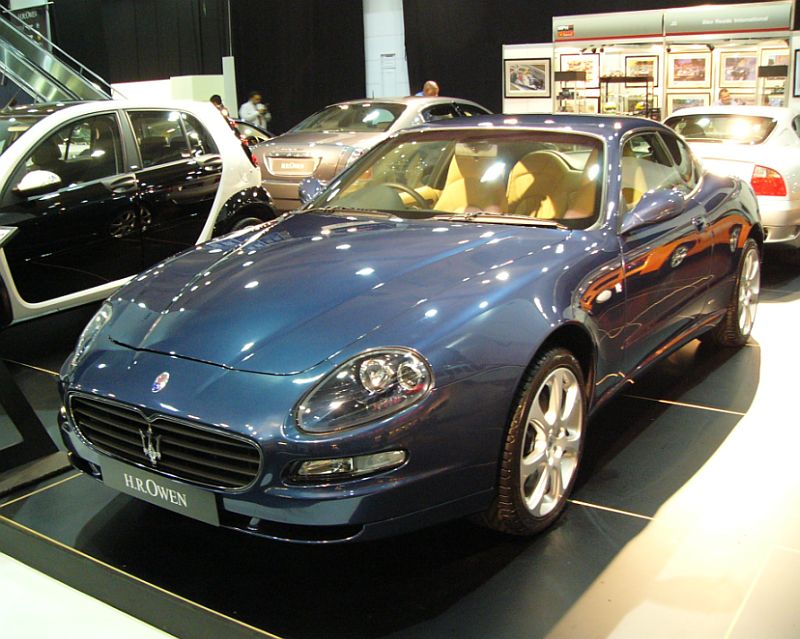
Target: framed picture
689, 70
641, 65
588, 62
774, 57
796, 83
527, 78
636, 103
677, 101
738, 68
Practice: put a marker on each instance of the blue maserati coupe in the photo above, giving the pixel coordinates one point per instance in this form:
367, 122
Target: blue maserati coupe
426, 339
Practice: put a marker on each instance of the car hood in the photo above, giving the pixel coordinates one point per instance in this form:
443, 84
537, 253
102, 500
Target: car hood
289, 296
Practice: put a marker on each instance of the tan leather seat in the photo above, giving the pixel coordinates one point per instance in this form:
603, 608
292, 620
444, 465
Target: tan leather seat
583, 201
634, 182
538, 186
467, 187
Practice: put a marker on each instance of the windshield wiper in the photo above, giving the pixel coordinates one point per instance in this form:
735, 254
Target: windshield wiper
500, 218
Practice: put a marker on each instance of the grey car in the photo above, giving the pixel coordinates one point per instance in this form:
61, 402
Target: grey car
330, 140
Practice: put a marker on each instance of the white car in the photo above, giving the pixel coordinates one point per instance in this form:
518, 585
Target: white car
760, 145
92, 193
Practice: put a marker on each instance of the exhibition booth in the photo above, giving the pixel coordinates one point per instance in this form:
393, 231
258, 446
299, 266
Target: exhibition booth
654, 62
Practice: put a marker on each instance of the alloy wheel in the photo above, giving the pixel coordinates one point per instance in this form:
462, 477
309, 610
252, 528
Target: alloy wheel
551, 444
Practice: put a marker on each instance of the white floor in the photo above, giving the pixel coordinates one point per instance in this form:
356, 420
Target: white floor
34, 606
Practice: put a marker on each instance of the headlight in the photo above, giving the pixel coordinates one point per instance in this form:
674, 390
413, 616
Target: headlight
94, 326
370, 386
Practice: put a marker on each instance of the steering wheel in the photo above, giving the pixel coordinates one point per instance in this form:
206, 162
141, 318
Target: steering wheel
418, 199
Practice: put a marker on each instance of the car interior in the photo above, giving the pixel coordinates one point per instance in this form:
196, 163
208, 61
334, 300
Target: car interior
528, 179
79, 152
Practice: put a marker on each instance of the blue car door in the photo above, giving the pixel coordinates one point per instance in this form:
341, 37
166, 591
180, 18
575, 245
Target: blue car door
667, 264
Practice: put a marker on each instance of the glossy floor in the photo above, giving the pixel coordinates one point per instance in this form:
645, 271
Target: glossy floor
684, 523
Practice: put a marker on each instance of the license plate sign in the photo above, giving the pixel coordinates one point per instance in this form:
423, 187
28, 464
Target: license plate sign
172, 495
291, 167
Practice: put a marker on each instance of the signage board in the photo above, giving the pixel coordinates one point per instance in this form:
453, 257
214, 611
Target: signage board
731, 18
633, 24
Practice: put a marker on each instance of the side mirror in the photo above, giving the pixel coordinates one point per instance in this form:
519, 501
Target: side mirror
38, 182
654, 206
309, 189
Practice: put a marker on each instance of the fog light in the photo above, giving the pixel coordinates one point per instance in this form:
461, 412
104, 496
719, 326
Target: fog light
340, 467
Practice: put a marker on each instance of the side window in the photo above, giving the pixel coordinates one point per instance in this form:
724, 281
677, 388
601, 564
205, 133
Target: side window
160, 137
81, 151
200, 139
469, 110
646, 165
439, 112
683, 159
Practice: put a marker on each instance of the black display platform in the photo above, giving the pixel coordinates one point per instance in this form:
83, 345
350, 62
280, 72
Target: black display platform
456, 579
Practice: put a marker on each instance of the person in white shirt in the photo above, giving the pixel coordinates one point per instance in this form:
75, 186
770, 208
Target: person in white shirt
254, 111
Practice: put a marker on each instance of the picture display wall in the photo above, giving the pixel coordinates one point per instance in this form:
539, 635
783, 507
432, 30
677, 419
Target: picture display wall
681, 75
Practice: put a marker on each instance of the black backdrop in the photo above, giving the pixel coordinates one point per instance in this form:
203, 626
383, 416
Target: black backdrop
301, 54
129, 41
458, 43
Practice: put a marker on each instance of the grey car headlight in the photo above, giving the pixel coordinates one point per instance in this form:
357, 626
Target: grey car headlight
89, 333
370, 386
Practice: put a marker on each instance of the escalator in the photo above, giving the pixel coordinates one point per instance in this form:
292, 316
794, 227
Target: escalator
41, 69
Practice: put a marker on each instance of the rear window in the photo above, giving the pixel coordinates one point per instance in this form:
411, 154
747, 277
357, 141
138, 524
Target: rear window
369, 116
728, 127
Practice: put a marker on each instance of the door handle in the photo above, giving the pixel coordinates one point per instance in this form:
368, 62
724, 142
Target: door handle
700, 222
122, 185
210, 161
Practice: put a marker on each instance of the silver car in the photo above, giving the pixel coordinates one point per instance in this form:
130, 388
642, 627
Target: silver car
327, 142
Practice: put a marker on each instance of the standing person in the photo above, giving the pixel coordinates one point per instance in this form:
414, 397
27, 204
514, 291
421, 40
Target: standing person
253, 111
216, 100
725, 98
430, 89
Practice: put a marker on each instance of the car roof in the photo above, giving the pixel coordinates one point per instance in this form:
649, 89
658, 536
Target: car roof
37, 109
583, 123
418, 100
739, 109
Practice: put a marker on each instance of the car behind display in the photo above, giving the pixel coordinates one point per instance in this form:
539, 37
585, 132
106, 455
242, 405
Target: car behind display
426, 340
327, 142
95, 192
760, 145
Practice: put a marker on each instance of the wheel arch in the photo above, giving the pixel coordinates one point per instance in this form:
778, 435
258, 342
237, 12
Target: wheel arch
577, 340
255, 201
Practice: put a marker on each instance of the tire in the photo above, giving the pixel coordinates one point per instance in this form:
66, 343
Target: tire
737, 324
542, 447
247, 220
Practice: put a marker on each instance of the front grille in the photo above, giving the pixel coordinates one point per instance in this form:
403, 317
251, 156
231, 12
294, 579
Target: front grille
199, 455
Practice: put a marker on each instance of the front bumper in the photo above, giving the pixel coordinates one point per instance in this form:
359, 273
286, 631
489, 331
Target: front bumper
452, 439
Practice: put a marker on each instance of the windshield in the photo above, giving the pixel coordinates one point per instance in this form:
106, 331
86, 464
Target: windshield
12, 127
366, 117
728, 127
536, 175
